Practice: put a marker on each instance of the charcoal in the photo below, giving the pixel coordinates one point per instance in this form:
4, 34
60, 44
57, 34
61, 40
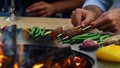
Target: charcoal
22, 57
27, 55
57, 54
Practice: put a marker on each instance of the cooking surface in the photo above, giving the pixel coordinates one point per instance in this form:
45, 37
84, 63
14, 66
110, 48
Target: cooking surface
52, 23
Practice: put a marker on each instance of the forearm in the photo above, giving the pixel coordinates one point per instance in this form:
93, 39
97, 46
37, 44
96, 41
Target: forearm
96, 10
66, 5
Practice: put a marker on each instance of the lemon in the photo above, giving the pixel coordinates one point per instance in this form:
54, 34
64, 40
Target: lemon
109, 53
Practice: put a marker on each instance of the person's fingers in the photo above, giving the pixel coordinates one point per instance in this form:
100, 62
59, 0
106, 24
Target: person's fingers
38, 5
102, 20
113, 30
76, 17
42, 7
79, 19
86, 21
45, 15
73, 21
39, 13
106, 27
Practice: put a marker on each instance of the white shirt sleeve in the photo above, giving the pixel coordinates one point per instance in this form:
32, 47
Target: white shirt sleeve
102, 4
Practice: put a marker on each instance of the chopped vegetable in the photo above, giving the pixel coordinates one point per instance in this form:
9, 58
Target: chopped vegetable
115, 39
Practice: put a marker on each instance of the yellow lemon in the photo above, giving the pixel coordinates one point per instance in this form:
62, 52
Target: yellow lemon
109, 53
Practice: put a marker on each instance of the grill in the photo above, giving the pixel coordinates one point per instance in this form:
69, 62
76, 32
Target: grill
17, 51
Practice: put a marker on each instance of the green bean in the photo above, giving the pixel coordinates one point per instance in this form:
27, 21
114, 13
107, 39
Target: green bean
77, 40
86, 35
37, 34
32, 31
37, 30
82, 39
67, 41
43, 32
93, 38
103, 37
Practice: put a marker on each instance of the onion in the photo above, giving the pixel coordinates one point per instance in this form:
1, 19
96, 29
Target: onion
89, 45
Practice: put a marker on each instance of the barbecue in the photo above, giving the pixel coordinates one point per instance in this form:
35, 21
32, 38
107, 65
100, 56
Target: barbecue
18, 52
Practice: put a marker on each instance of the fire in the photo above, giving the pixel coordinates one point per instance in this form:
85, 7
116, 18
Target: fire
77, 64
15, 65
68, 61
38, 65
3, 58
0, 64
77, 60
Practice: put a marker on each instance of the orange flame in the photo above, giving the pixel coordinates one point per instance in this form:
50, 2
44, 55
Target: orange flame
3, 58
38, 65
0, 64
77, 60
15, 65
69, 61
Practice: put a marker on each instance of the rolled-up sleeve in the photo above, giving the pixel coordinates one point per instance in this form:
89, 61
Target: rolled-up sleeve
102, 4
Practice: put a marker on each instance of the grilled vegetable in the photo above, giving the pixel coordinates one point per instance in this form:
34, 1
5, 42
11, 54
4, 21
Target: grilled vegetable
58, 30
72, 31
112, 40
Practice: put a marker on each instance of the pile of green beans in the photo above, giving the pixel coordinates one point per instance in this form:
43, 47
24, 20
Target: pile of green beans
87, 36
36, 32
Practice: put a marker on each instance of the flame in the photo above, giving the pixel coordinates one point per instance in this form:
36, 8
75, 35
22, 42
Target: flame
77, 60
77, 64
3, 58
15, 65
68, 61
56, 65
0, 64
38, 65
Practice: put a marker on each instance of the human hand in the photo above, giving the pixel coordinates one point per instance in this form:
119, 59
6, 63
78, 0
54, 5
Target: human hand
41, 9
82, 17
108, 21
